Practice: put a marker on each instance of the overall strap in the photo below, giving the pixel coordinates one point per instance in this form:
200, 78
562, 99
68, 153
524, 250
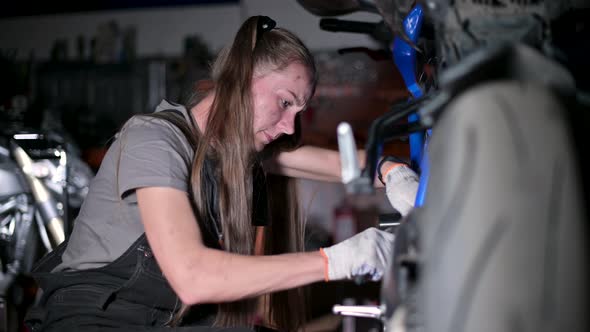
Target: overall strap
210, 185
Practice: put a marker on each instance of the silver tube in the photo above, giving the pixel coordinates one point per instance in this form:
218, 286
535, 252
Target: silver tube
368, 311
45, 202
348, 156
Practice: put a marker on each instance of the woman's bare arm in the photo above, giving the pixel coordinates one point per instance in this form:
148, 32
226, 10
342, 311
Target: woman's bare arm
315, 163
203, 275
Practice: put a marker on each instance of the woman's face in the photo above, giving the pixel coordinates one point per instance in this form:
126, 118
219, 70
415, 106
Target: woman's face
278, 96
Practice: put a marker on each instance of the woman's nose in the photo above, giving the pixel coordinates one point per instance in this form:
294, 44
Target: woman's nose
287, 123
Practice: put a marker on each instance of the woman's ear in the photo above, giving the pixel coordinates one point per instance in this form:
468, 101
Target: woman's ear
204, 85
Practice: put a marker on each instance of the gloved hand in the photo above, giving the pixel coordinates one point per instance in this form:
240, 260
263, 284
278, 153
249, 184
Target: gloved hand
365, 254
401, 186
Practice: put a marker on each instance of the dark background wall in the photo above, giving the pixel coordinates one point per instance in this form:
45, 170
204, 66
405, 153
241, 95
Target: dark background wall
89, 96
31, 8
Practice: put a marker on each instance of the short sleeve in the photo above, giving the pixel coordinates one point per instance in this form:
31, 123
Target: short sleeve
154, 153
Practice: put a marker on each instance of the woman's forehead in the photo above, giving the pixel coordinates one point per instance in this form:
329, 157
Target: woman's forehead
295, 67
295, 77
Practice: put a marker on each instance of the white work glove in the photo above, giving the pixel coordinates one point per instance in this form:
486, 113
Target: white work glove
364, 255
401, 186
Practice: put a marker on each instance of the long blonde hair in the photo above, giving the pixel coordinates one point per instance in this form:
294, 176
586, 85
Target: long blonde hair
229, 141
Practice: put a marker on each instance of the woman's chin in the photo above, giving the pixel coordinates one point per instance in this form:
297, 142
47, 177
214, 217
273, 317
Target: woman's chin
259, 146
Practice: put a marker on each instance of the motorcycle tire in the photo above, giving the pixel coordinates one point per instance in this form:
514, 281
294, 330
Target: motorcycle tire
504, 229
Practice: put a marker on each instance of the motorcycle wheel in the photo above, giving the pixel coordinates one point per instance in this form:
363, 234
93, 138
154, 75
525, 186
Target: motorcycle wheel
504, 229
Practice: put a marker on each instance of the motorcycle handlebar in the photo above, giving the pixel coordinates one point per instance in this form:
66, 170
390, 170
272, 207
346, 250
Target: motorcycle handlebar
337, 25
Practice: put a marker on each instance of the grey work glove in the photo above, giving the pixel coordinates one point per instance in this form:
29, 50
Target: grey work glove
401, 186
364, 255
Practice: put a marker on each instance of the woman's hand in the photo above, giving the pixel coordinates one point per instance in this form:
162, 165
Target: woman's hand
365, 254
401, 187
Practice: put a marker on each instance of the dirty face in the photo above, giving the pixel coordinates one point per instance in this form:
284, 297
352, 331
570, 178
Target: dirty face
278, 95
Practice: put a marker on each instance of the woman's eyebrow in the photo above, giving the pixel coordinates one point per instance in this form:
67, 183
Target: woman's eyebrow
298, 100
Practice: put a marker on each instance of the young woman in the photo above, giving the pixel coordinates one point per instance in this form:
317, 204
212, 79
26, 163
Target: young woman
169, 221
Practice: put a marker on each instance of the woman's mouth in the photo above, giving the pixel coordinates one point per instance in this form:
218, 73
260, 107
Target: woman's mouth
268, 138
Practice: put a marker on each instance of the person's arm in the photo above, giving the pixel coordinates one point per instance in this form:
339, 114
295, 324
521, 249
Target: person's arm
203, 275
308, 162
314, 163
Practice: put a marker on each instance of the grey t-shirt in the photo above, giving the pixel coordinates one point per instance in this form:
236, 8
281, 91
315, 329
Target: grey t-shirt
151, 153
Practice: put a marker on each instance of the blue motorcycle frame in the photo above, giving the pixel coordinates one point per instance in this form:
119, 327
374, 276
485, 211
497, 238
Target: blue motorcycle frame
404, 57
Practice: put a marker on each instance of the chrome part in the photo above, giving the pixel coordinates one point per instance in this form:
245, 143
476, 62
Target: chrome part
45, 202
348, 159
367, 311
56, 229
43, 232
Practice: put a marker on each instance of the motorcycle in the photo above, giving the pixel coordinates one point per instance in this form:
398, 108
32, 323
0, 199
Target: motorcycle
44, 182
498, 238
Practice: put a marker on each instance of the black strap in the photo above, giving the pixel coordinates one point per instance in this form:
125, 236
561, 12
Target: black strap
210, 186
259, 191
260, 209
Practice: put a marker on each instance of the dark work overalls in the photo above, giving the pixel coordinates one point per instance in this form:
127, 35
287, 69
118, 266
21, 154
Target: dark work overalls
129, 294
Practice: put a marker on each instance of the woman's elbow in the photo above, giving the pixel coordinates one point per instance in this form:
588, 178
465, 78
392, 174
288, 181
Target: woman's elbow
190, 296
190, 285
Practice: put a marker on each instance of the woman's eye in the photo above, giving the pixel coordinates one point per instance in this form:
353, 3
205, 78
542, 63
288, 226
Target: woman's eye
285, 103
